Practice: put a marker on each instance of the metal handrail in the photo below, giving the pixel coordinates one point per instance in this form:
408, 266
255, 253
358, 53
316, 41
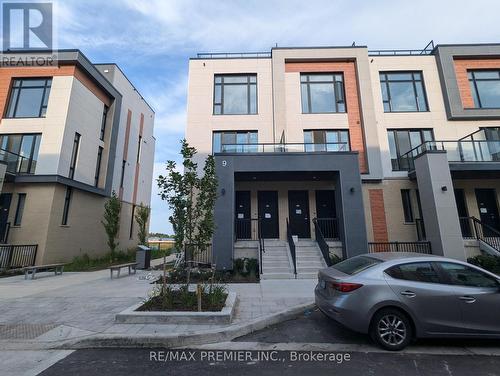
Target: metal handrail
323, 245
232, 55
291, 245
328, 147
480, 228
198, 254
427, 50
17, 256
246, 225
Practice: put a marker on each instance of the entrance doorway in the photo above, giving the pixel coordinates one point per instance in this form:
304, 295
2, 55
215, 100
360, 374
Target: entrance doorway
488, 209
242, 220
5, 199
326, 213
298, 213
268, 214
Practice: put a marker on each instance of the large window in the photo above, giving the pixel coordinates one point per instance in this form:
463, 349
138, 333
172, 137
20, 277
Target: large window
322, 93
24, 149
326, 140
485, 88
74, 155
235, 94
402, 141
403, 92
235, 142
29, 98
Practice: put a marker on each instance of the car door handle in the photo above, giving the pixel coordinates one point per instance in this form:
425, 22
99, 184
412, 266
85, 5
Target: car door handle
409, 294
468, 299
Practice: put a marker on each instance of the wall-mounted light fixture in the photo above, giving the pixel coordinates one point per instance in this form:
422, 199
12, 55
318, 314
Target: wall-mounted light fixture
222, 191
444, 188
352, 190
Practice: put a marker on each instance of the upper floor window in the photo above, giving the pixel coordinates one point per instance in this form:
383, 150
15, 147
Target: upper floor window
235, 141
103, 122
326, 140
485, 88
20, 151
401, 141
235, 94
29, 98
322, 93
403, 92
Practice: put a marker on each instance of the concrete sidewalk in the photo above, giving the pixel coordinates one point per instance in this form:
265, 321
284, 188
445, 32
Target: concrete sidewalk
78, 310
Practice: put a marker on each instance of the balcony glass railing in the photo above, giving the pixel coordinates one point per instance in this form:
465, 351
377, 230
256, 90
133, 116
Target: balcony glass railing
17, 164
285, 148
457, 151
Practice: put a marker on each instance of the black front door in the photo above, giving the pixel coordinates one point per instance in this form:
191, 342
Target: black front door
5, 199
463, 213
298, 213
326, 213
268, 214
488, 209
242, 215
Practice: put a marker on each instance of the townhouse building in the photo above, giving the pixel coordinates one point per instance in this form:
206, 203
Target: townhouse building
70, 135
350, 151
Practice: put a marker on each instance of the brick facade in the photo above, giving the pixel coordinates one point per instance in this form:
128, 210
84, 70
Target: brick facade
377, 209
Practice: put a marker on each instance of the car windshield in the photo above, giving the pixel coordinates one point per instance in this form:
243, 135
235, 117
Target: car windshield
356, 264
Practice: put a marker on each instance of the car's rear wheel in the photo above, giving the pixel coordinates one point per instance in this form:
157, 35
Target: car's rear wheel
391, 329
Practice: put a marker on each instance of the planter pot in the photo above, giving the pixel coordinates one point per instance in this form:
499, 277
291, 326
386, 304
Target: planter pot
132, 316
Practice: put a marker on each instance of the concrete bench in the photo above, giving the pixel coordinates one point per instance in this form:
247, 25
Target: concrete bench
131, 266
57, 268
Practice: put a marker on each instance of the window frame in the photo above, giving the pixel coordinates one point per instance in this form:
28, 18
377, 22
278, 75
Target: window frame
103, 122
122, 177
42, 106
385, 82
307, 83
139, 149
248, 84
67, 203
34, 151
100, 151
248, 133
132, 220
408, 212
397, 146
74, 155
473, 84
325, 131
21, 203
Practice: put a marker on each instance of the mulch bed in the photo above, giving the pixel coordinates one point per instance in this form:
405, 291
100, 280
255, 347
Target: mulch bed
179, 302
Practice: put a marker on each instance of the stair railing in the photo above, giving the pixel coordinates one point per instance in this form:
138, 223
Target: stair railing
323, 245
291, 245
486, 233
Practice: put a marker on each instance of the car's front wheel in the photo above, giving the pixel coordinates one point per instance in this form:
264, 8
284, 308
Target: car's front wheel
391, 329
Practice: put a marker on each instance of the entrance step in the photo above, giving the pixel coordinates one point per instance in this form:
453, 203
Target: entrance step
275, 261
277, 276
309, 259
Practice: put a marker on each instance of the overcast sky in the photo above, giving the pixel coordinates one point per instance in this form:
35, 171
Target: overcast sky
152, 40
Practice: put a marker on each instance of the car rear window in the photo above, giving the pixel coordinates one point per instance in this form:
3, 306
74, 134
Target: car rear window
356, 264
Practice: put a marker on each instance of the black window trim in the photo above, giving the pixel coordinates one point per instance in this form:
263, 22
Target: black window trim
100, 150
124, 164
103, 122
18, 218
248, 84
47, 85
396, 143
67, 203
236, 132
474, 80
413, 80
336, 94
338, 130
74, 155
31, 158
408, 212
131, 234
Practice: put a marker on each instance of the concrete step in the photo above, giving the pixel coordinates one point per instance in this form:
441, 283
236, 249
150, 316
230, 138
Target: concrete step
279, 269
277, 276
316, 264
307, 275
276, 264
308, 269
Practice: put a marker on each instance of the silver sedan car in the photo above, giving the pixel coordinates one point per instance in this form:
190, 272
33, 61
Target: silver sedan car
396, 297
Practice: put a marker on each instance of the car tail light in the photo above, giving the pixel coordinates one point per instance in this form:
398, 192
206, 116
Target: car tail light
345, 286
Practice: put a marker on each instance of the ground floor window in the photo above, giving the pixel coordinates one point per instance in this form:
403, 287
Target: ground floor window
67, 202
21, 199
407, 208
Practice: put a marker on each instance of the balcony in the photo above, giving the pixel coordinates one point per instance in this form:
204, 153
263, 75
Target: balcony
331, 147
464, 151
17, 164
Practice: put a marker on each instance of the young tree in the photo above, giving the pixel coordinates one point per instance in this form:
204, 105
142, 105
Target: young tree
111, 221
191, 198
141, 217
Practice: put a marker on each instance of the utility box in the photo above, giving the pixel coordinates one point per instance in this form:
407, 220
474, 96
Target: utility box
143, 257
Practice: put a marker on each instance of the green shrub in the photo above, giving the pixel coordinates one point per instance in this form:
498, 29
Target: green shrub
487, 262
335, 259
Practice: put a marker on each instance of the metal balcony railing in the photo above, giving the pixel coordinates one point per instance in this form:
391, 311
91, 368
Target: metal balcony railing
17, 164
457, 151
330, 147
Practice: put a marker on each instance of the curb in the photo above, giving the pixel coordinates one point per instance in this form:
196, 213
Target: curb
189, 339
